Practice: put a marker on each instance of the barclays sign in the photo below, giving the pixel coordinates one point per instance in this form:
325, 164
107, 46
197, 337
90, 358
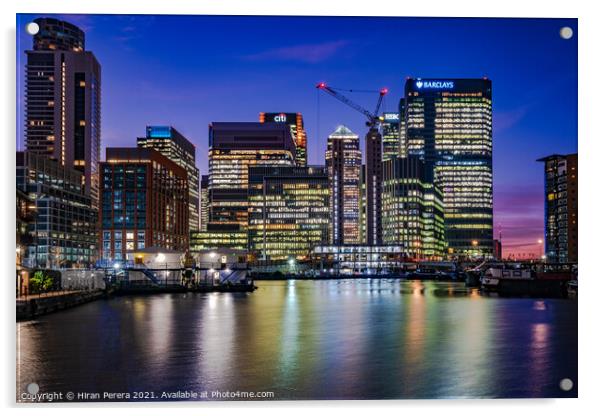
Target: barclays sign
438, 85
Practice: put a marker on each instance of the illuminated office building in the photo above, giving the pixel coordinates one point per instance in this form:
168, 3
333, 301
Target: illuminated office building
204, 202
403, 147
448, 125
61, 232
374, 187
363, 204
561, 224
295, 122
144, 202
174, 146
333, 260
412, 210
343, 163
218, 236
62, 100
233, 149
288, 211
391, 135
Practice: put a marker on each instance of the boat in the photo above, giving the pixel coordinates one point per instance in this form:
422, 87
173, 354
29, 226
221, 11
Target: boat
572, 288
538, 280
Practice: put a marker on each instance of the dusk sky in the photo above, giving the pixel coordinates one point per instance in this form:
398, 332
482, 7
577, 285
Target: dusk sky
187, 71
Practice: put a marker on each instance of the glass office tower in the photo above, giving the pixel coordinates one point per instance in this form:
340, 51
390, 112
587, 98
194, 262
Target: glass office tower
295, 122
391, 135
449, 126
288, 211
234, 147
412, 210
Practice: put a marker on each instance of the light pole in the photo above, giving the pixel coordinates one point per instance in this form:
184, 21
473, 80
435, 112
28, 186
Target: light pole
475, 244
541, 255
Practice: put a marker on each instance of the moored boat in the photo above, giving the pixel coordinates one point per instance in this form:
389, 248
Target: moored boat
539, 280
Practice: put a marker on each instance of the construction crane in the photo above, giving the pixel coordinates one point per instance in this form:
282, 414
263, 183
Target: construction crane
373, 166
373, 118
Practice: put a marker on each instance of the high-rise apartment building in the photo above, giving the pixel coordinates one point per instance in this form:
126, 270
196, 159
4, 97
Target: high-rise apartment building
233, 148
295, 122
288, 211
144, 202
177, 148
412, 210
343, 163
62, 231
62, 100
561, 225
449, 126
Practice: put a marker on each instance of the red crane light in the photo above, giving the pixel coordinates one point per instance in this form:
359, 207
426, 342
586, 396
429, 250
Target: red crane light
384, 91
321, 85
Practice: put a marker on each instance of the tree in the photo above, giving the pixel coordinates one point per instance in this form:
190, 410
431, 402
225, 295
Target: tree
41, 281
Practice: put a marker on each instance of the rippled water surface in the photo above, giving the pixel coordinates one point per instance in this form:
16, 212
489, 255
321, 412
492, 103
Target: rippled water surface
345, 339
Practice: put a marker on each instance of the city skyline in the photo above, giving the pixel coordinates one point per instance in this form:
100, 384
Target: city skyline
183, 91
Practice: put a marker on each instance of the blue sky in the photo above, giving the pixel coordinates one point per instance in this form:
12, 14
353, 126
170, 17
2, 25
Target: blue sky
188, 71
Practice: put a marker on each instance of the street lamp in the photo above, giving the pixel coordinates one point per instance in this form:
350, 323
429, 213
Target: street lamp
541, 254
475, 243
291, 264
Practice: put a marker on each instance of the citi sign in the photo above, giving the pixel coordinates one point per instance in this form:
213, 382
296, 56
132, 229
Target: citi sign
280, 118
439, 85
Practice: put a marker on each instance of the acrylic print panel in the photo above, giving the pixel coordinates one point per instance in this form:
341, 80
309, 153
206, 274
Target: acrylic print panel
295, 208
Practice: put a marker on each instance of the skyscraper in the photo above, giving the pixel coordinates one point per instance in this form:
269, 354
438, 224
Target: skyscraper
233, 148
144, 202
295, 122
62, 100
204, 202
391, 135
288, 211
403, 148
561, 225
449, 126
374, 187
343, 162
412, 209
173, 145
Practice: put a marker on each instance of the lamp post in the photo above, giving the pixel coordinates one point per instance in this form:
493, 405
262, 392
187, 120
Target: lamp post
541, 254
475, 244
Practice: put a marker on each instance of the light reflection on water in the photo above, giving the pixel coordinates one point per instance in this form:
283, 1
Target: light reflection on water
310, 340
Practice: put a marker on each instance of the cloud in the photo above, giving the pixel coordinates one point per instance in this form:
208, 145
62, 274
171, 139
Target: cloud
132, 29
307, 53
503, 120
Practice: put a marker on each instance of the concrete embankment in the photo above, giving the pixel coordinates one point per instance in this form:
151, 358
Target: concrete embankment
31, 307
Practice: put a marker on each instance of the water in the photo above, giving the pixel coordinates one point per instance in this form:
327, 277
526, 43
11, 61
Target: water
347, 339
